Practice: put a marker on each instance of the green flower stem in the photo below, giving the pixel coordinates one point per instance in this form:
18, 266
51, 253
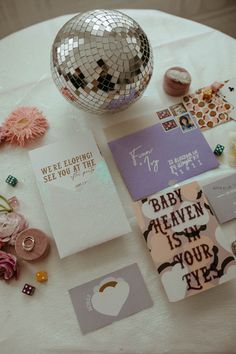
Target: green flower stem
4, 208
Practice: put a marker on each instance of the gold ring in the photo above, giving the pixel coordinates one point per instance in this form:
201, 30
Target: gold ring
234, 247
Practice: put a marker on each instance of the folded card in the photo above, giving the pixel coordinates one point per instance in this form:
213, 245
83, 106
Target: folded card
185, 241
228, 91
222, 197
110, 298
78, 193
160, 154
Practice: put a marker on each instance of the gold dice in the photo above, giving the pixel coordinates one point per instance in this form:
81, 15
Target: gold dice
41, 276
207, 94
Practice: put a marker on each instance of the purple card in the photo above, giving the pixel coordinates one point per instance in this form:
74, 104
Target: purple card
222, 197
110, 298
161, 155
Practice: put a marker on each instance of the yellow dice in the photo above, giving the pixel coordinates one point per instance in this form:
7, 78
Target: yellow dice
207, 94
41, 276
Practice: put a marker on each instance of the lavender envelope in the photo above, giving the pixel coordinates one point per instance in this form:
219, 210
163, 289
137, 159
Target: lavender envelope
152, 159
84, 216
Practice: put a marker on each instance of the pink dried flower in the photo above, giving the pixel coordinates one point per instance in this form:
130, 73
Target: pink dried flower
8, 266
24, 125
11, 224
2, 135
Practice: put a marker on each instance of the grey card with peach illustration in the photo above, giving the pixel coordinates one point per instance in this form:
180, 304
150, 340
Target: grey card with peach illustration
188, 248
110, 298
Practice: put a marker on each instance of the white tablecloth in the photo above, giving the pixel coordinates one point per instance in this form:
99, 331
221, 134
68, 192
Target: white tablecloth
46, 323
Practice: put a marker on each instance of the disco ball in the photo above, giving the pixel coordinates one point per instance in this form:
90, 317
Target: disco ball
101, 61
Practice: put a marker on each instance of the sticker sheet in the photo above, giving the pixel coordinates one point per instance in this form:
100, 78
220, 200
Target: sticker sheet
208, 113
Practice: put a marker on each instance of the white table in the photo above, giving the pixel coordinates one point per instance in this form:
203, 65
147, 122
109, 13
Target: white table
46, 323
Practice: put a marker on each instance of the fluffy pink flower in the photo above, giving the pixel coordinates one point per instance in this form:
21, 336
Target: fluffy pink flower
11, 224
24, 125
8, 266
2, 135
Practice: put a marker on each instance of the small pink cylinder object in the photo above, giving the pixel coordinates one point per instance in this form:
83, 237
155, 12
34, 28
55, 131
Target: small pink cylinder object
32, 245
176, 81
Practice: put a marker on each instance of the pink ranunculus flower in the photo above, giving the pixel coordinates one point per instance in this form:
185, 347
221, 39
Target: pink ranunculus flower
14, 202
8, 266
11, 224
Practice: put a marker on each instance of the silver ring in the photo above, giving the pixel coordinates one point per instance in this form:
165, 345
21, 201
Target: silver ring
234, 247
28, 243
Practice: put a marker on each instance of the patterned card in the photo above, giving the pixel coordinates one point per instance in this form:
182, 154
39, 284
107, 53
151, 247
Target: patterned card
185, 241
110, 298
208, 113
229, 93
160, 155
